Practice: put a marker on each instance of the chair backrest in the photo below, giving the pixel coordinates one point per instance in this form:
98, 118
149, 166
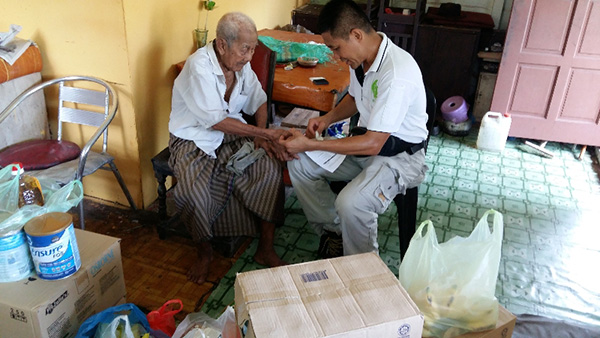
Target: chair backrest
263, 63
85, 106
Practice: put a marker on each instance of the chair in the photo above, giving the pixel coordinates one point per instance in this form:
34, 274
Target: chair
406, 204
61, 160
263, 63
401, 29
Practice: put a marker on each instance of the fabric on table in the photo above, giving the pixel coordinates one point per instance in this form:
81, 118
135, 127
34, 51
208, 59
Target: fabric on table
214, 201
290, 51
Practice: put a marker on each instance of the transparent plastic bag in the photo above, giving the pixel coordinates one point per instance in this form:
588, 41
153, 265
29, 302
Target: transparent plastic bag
201, 325
56, 198
454, 283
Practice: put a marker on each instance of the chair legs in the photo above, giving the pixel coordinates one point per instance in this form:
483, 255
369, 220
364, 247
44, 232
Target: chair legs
407, 217
81, 221
115, 171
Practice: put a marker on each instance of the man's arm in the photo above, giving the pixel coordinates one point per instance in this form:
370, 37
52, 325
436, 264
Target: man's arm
369, 143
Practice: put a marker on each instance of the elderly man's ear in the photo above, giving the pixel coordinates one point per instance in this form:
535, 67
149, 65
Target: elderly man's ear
221, 45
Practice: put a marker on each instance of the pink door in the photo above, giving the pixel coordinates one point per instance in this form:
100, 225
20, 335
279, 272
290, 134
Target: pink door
549, 77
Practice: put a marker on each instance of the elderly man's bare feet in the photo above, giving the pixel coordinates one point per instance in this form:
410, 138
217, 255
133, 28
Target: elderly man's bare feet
198, 273
268, 258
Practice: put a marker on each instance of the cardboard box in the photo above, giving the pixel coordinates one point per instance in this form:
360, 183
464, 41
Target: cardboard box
504, 327
51, 309
352, 296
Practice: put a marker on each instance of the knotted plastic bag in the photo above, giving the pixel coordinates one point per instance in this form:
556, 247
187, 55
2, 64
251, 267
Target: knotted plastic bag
164, 318
454, 283
56, 199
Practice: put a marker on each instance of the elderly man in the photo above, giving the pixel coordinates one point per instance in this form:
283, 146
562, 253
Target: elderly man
385, 158
217, 196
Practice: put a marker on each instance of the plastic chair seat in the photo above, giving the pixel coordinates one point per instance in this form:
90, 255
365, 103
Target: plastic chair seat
39, 154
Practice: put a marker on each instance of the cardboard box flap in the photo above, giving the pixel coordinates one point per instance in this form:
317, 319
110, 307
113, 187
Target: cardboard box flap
382, 301
276, 318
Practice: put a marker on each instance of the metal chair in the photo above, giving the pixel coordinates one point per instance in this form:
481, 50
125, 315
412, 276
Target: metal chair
60, 160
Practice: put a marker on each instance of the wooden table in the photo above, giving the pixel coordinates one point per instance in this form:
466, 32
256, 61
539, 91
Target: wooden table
294, 87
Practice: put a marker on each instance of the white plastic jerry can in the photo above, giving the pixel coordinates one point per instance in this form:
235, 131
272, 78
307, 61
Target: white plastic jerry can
493, 131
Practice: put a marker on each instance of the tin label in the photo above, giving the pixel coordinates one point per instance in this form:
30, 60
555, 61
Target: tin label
15, 262
55, 256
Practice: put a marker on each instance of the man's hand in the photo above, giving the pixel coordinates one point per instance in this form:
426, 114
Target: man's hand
316, 125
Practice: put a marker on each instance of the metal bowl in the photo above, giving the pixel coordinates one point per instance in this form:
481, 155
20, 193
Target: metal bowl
307, 61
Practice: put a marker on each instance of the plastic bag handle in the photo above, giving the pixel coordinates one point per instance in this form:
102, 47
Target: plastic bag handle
430, 235
482, 229
162, 311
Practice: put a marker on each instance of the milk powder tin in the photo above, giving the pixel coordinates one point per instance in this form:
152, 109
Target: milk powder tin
53, 245
15, 262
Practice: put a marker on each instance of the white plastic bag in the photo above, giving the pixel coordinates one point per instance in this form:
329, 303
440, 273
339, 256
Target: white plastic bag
201, 325
454, 283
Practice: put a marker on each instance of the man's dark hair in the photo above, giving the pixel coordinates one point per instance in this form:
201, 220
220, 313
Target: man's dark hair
339, 17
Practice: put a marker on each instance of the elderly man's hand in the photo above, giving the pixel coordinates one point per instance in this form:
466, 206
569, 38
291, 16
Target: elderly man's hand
276, 134
295, 143
273, 149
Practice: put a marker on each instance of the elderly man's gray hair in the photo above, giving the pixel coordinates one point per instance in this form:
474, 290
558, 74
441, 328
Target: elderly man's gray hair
231, 24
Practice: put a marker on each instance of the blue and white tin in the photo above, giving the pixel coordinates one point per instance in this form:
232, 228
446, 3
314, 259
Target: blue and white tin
15, 262
53, 245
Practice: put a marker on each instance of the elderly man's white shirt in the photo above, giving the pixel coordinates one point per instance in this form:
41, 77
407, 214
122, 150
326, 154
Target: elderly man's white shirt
198, 99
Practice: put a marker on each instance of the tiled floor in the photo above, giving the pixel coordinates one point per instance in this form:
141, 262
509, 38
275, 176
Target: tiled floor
551, 237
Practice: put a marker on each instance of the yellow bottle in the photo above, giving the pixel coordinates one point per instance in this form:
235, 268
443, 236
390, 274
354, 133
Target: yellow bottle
30, 190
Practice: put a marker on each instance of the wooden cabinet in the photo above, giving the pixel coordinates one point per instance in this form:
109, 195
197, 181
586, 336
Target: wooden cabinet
307, 15
446, 56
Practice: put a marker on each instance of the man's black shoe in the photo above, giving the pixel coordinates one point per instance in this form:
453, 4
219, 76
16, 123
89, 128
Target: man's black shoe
330, 246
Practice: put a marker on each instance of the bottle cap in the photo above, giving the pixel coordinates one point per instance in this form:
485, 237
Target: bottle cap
17, 168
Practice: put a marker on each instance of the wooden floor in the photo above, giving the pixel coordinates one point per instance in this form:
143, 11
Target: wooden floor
155, 269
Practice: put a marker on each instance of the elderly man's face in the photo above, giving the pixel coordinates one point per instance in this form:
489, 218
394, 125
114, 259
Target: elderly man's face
240, 52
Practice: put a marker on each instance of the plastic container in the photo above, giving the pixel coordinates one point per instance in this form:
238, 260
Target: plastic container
30, 190
455, 109
493, 131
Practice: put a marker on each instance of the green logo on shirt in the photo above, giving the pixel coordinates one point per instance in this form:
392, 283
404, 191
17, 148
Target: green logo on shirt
374, 88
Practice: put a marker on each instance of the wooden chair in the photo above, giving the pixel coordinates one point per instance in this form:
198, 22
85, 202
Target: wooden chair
401, 29
263, 63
